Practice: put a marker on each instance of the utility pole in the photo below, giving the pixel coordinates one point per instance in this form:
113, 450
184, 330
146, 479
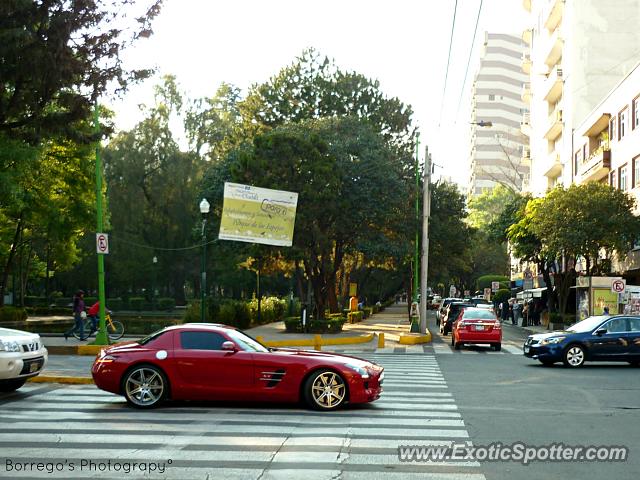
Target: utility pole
426, 211
416, 267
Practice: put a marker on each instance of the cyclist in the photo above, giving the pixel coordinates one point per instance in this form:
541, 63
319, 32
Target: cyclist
93, 312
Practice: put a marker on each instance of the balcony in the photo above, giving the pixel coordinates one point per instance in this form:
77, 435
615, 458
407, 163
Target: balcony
526, 4
597, 166
553, 48
526, 63
554, 168
555, 125
553, 14
553, 85
527, 35
526, 93
525, 123
526, 157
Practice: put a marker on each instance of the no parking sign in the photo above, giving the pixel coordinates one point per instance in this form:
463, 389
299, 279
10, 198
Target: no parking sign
102, 243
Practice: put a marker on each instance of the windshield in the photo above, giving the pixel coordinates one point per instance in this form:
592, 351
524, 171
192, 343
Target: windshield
479, 314
587, 324
245, 342
153, 336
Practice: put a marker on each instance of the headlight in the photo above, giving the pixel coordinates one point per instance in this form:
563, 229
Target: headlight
9, 346
363, 373
552, 340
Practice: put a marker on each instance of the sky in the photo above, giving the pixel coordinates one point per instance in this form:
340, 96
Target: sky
402, 43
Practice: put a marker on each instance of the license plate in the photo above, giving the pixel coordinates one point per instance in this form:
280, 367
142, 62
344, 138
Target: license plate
526, 349
479, 327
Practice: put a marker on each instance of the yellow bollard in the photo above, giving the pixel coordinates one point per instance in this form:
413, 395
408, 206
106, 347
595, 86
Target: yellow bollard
381, 340
260, 339
317, 342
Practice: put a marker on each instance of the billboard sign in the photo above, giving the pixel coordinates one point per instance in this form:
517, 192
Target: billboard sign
258, 215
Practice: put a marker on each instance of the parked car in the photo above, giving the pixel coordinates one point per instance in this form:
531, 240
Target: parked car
478, 326
22, 355
434, 303
217, 362
480, 301
600, 338
451, 314
443, 307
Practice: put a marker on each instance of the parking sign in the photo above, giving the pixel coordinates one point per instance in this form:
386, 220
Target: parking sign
618, 286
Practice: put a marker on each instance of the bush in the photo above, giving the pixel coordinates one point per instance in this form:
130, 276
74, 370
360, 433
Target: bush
272, 309
355, 317
165, 303
115, 304
293, 324
502, 295
367, 312
63, 302
12, 314
32, 301
136, 303
329, 325
40, 311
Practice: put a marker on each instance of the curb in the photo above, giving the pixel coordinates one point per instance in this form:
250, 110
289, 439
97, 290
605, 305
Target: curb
317, 341
414, 338
62, 379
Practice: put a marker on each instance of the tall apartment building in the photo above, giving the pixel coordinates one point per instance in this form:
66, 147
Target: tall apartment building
498, 153
578, 51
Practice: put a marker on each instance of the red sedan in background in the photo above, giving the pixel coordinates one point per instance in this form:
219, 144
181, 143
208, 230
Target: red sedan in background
477, 325
217, 362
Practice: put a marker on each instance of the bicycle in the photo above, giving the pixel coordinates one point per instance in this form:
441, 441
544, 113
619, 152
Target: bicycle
115, 328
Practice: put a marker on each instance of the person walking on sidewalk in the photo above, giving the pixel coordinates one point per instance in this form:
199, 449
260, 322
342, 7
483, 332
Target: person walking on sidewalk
78, 311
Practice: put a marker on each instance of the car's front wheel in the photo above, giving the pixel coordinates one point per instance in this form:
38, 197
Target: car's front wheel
11, 385
325, 390
574, 356
145, 386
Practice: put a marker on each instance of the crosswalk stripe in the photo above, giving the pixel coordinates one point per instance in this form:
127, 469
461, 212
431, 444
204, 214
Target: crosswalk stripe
250, 442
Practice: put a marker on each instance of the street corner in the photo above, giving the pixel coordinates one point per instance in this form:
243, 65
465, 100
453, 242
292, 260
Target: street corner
414, 338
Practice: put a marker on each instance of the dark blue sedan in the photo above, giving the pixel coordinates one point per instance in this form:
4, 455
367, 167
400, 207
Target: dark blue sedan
602, 338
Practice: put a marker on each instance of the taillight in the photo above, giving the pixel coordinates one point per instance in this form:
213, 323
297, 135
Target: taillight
497, 324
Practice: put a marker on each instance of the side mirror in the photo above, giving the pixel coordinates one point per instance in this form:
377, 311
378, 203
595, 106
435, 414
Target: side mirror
601, 331
229, 346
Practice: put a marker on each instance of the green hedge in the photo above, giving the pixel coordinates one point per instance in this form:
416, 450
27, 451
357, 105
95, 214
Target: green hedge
165, 303
355, 317
12, 314
272, 309
485, 281
367, 312
137, 303
43, 311
329, 325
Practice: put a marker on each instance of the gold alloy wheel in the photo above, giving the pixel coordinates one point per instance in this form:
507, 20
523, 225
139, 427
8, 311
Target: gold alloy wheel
328, 390
144, 387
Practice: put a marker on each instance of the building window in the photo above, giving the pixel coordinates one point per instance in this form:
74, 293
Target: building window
635, 112
622, 176
612, 128
612, 181
577, 160
492, 98
622, 123
636, 172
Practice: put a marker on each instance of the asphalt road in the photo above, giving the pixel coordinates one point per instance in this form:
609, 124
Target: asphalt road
510, 399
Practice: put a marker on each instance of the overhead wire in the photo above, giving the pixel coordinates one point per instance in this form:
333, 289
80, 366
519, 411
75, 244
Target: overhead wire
466, 72
446, 75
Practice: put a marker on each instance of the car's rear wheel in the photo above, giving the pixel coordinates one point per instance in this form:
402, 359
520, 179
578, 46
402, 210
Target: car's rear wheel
11, 385
325, 390
574, 356
634, 363
497, 347
145, 386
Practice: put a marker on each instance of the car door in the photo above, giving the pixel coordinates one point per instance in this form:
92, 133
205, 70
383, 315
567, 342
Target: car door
208, 371
614, 344
634, 337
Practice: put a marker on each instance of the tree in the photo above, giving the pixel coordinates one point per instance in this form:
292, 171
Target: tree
58, 56
351, 193
449, 246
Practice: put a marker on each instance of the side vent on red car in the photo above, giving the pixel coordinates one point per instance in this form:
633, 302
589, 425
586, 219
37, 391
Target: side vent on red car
272, 377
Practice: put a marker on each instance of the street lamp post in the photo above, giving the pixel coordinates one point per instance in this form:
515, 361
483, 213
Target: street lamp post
204, 210
153, 283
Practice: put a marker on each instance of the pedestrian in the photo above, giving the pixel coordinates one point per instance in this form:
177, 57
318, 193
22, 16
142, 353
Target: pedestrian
605, 311
78, 314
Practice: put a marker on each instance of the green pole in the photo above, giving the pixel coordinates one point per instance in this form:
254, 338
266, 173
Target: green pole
101, 337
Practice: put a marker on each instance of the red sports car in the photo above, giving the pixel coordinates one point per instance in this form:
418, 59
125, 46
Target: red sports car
477, 325
203, 361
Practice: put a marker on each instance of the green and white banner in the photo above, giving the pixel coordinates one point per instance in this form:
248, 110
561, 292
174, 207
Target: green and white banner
258, 215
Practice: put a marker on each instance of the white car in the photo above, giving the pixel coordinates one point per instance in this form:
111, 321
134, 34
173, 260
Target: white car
22, 355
